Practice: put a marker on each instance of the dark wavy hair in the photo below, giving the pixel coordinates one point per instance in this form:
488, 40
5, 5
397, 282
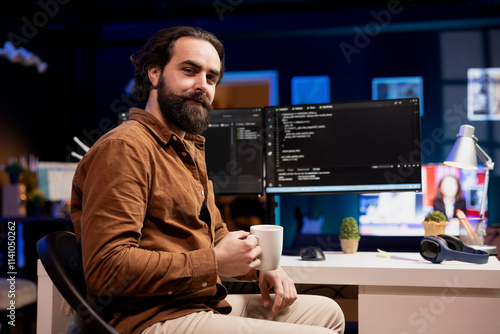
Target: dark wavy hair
158, 51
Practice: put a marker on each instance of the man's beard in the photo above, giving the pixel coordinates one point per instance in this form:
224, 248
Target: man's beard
192, 118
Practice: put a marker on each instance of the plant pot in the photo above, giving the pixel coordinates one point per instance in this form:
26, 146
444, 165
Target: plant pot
14, 200
434, 228
349, 246
14, 178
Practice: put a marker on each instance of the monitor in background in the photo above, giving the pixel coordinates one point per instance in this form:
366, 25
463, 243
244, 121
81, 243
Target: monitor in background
399, 88
311, 89
360, 146
55, 179
234, 151
402, 214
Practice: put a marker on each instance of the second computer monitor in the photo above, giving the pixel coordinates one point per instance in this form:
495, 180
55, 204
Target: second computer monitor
360, 146
234, 151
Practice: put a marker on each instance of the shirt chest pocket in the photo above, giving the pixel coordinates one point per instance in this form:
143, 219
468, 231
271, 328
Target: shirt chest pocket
176, 198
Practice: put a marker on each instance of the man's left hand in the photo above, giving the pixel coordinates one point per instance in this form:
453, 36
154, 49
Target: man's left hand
284, 289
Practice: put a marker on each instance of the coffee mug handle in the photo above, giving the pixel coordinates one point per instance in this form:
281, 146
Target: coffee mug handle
253, 235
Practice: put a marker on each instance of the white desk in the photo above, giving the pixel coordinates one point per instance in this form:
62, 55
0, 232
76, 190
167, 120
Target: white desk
401, 295
49, 318
406, 294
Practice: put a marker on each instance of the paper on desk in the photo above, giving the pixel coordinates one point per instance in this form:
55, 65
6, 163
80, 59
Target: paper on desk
387, 255
382, 253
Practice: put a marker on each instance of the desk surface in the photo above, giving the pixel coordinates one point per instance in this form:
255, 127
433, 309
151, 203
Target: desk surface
402, 269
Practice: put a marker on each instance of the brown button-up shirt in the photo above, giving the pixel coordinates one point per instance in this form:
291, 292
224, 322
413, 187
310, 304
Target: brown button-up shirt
148, 255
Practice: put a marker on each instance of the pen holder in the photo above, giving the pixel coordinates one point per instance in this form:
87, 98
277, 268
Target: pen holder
469, 233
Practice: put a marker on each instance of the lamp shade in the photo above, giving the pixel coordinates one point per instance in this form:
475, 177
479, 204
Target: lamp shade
463, 152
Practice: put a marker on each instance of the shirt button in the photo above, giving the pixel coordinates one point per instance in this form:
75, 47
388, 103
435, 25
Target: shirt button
174, 137
204, 284
183, 154
170, 292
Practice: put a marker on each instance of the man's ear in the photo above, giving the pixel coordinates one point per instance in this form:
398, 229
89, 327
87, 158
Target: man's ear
154, 73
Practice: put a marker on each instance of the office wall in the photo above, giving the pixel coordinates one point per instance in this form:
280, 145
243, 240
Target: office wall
40, 113
441, 56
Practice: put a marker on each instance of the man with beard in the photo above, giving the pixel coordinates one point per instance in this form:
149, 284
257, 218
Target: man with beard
152, 239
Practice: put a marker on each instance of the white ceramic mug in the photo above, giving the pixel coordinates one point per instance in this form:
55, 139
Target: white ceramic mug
270, 239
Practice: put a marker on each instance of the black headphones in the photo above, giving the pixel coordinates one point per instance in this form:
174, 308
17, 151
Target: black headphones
447, 247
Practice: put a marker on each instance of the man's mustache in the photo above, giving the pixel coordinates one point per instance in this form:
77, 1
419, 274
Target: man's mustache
202, 97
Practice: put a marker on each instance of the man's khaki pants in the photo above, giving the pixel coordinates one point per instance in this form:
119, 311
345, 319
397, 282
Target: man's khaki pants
307, 315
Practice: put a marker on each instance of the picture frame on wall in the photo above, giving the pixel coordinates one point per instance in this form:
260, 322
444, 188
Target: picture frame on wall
483, 94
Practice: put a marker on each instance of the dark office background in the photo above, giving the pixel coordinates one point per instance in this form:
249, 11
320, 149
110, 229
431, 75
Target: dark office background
87, 45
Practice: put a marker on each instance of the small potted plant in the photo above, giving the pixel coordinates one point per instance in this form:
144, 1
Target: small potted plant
435, 223
349, 235
14, 170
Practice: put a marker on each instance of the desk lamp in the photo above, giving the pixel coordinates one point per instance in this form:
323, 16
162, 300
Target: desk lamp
463, 155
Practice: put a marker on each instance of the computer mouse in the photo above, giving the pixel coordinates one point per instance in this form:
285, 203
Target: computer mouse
311, 253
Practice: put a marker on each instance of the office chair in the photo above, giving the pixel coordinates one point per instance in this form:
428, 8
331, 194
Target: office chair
62, 259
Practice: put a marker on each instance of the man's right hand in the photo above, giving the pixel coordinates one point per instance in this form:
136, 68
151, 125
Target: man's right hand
237, 254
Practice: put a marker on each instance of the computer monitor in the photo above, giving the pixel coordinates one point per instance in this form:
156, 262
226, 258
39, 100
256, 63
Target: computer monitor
402, 214
398, 88
340, 147
234, 151
55, 179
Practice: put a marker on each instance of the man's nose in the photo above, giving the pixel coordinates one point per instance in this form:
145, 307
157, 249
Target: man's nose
201, 84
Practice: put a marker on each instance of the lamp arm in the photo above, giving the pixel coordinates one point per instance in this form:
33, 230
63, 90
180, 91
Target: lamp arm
481, 232
488, 162
488, 165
